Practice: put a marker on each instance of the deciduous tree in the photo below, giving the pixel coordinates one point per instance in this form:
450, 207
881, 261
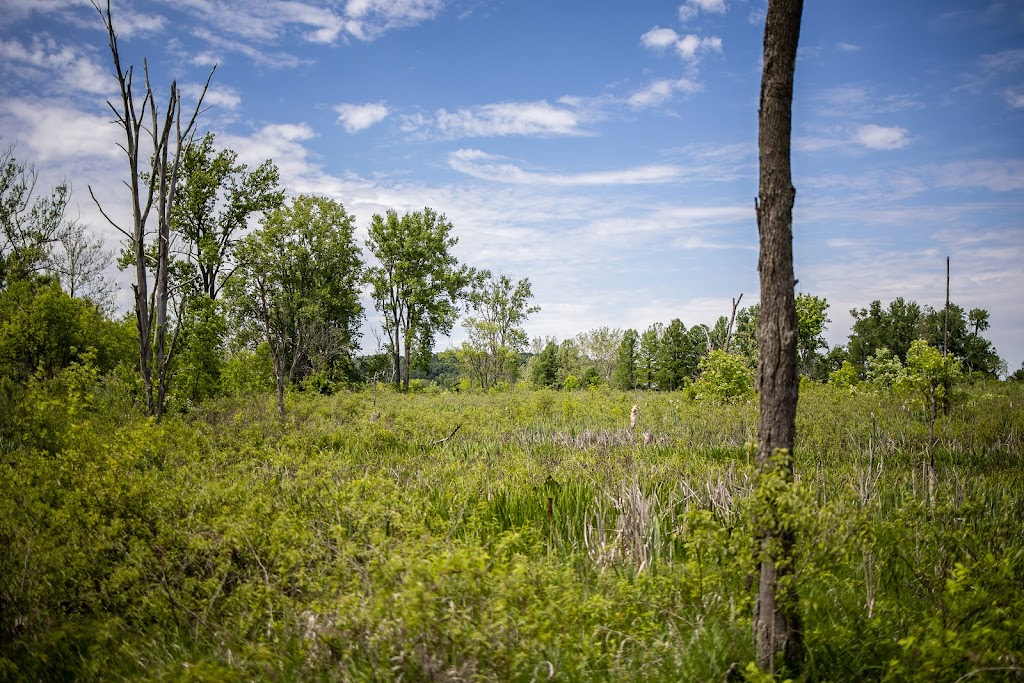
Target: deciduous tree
298, 278
418, 283
499, 308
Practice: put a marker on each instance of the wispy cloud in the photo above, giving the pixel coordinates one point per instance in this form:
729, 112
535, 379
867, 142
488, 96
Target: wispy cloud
484, 166
661, 91
217, 96
539, 118
996, 176
847, 47
357, 117
870, 136
1014, 97
691, 8
47, 62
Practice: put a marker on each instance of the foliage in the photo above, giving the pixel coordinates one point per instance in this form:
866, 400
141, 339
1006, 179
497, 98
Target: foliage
811, 321
884, 368
214, 202
844, 377
496, 335
226, 544
544, 370
724, 377
298, 279
30, 225
626, 358
417, 284
929, 377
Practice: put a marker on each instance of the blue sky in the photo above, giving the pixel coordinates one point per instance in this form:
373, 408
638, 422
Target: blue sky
605, 150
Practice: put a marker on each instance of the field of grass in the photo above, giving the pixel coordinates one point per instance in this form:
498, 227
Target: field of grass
518, 536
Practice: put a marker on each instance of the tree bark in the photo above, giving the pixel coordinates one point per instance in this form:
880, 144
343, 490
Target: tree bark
777, 626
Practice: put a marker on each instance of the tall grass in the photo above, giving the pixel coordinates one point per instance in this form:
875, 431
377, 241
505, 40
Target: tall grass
364, 539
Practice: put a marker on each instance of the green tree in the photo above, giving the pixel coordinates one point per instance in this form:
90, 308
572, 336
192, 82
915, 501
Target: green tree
964, 340
811, 319
544, 370
214, 202
647, 356
744, 339
30, 225
626, 360
496, 336
724, 378
298, 278
417, 284
895, 328
600, 347
676, 361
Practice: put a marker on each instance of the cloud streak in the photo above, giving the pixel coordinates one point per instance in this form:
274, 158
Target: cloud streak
484, 166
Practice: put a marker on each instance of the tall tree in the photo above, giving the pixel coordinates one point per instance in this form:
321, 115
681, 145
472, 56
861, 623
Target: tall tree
418, 284
625, 375
811, 319
777, 627
215, 200
30, 224
895, 328
152, 183
498, 308
600, 346
647, 359
674, 361
80, 264
298, 278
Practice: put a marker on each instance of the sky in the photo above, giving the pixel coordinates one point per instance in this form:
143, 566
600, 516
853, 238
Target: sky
605, 150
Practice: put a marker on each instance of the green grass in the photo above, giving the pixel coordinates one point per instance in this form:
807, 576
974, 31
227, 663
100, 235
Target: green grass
347, 543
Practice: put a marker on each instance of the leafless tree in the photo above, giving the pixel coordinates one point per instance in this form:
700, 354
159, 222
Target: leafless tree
152, 185
777, 627
81, 263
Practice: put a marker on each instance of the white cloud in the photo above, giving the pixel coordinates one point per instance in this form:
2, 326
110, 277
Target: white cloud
1014, 98
54, 130
505, 118
691, 46
357, 117
661, 91
369, 19
63, 64
479, 164
219, 96
691, 8
847, 47
882, 137
659, 38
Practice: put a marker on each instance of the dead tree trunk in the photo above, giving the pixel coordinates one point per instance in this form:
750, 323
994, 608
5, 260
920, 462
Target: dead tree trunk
732, 321
156, 184
777, 627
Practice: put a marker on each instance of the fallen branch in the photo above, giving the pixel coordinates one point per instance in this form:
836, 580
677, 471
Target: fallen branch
441, 441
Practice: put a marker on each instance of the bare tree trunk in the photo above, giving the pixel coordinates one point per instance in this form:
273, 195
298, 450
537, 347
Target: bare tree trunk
945, 316
151, 318
732, 321
777, 627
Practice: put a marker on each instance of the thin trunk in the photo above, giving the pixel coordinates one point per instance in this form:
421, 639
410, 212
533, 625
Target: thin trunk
732, 321
777, 627
945, 316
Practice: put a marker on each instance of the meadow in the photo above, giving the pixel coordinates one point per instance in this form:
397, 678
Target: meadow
507, 536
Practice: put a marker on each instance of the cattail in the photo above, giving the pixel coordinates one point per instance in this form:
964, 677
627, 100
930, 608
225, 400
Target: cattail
633, 414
